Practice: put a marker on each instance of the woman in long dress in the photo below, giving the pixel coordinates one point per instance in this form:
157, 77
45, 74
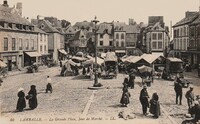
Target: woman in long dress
32, 97
21, 103
155, 106
125, 97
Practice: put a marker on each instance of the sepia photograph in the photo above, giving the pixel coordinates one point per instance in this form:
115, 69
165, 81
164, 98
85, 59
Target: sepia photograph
99, 61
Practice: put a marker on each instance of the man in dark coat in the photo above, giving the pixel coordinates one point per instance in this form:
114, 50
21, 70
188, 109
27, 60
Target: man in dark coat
144, 99
155, 105
32, 96
21, 103
178, 91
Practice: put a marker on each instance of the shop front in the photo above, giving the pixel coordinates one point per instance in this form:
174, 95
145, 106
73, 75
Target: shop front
11, 60
32, 57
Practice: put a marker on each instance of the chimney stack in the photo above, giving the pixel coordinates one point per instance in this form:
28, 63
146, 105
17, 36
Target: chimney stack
19, 8
5, 3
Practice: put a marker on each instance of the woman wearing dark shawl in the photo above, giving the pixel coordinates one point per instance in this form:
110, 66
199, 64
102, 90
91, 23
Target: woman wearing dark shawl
32, 94
155, 105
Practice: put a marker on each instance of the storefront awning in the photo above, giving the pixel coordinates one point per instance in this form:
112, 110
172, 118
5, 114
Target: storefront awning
33, 54
120, 51
63, 51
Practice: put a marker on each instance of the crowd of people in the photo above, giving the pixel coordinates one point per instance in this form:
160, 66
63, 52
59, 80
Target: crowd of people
192, 102
153, 104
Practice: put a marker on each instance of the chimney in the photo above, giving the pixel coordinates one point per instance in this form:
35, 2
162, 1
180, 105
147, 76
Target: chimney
19, 8
5, 3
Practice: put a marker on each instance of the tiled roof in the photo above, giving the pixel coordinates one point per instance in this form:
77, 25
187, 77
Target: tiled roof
69, 30
84, 24
197, 20
47, 26
78, 35
158, 26
39, 30
186, 20
10, 15
132, 29
105, 26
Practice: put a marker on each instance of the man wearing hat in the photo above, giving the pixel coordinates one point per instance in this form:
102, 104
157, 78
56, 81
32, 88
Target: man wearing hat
144, 99
190, 97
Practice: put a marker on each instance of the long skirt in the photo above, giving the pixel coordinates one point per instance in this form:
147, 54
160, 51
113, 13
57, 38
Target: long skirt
155, 109
33, 103
125, 99
21, 104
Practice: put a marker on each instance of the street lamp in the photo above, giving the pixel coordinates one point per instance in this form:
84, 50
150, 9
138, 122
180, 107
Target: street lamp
95, 21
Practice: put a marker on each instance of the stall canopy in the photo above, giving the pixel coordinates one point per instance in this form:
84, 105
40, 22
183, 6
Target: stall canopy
33, 54
135, 59
92, 61
126, 58
144, 69
110, 56
172, 59
103, 55
150, 58
120, 51
79, 58
63, 51
2, 64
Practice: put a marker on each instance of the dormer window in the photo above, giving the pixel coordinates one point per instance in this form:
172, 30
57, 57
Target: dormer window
42, 26
13, 26
5, 25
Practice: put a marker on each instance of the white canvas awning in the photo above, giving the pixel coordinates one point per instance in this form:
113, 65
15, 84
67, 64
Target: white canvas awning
92, 61
33, 54
63, 51
120, 51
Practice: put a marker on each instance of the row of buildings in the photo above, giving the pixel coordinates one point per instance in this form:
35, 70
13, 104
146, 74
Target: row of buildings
24, 42
186, 41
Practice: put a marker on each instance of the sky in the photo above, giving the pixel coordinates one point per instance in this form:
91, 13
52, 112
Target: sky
108, 10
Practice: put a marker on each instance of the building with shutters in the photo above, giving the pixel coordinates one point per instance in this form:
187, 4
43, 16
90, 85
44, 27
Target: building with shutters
18, 38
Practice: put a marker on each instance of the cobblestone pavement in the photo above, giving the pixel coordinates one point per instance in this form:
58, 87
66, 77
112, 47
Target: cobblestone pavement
71, 99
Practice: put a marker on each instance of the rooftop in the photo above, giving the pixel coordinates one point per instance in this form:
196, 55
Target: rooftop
10, 15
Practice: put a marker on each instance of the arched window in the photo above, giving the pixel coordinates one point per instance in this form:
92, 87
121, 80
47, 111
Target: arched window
122, 36
117, 36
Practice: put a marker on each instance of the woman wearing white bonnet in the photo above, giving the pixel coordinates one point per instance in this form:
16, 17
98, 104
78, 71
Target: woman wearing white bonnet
20, 89
21, 103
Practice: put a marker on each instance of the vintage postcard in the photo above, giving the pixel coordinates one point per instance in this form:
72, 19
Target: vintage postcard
99, 61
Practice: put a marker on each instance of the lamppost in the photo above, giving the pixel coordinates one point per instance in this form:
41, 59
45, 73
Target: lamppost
95, 21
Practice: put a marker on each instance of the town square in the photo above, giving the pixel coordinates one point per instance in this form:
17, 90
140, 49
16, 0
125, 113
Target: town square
55, 70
